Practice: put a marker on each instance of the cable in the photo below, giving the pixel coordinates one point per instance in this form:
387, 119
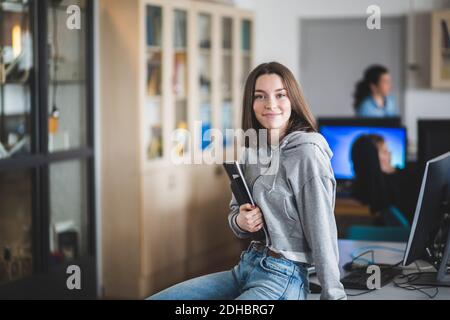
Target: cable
363, 254
373, 248
402, 285
413, 277
360, 294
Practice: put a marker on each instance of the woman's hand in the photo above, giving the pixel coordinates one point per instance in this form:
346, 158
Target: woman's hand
250, 218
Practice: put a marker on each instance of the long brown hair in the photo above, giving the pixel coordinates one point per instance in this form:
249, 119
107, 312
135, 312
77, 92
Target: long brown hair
301, 118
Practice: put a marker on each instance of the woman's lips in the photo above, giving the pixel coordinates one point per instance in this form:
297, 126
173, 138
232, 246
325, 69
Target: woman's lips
271, 115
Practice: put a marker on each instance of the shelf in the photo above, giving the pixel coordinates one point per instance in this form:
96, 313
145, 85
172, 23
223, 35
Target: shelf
227, 52
156, 98
205, 52
180, 50
154, 49
180, 98
14, 7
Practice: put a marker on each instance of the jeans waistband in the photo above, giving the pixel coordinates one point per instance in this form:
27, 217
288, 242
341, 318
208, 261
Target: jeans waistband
253, 245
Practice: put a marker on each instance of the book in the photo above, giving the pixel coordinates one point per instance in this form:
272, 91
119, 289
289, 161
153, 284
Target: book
242, 193
239, 186
445, 35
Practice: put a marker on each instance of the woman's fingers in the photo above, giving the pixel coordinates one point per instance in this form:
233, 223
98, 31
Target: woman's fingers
257, 227
257, 222
246, 207
252, 217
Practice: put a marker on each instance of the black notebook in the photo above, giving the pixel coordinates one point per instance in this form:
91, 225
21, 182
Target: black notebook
239, 186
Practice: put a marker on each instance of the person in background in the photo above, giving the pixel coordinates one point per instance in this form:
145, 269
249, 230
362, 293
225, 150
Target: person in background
372, 96
377, 183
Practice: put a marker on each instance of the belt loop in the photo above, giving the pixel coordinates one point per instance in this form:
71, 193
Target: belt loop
262, 260
250, 246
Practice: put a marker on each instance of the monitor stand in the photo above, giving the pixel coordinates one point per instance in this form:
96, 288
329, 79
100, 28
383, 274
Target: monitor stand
430, 279
440, 256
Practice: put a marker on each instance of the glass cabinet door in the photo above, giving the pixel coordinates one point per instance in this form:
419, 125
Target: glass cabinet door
67, 125
205, 77
16, 247
68, 211
16, 64
246, 49
153, 101
180, 80
227, 79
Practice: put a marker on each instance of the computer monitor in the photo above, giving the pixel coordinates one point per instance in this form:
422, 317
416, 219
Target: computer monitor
433, 140
341, 134
429, 238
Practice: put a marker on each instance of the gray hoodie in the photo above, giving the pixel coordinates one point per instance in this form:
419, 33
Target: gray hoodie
297, 199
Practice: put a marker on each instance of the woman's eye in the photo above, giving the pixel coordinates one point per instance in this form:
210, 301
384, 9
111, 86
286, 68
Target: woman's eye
281, 95
258, 97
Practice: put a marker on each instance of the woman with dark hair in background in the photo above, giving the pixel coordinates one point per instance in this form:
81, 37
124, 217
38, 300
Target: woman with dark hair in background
377, 183
372, 95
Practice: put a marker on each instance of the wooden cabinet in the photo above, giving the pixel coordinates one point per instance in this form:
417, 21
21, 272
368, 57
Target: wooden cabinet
440, 50
167, 65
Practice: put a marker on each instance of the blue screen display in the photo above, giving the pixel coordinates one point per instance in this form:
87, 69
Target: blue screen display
341, 139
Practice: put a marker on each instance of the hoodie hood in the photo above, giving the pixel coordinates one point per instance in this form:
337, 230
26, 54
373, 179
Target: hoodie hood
298, 138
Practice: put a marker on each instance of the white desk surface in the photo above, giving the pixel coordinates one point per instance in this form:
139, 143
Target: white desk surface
388, 292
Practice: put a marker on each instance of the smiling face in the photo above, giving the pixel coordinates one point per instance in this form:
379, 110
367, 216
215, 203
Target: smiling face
272, 105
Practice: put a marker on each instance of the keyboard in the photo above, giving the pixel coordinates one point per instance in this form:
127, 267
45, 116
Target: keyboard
357, 279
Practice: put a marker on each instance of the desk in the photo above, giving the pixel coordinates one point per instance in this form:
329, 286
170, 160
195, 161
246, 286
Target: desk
349, 212
351, 207
388, 292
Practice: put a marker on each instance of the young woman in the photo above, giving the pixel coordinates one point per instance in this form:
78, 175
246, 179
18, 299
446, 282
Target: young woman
377, 183
295, 203
372, 96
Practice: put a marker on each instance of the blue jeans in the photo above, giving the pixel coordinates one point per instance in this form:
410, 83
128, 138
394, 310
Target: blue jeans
258, 276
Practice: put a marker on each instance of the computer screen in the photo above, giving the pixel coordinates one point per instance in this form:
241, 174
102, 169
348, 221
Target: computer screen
428, 239
341, 138
434, 139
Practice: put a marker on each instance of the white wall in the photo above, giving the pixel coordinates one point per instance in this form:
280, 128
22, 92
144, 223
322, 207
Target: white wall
277, 37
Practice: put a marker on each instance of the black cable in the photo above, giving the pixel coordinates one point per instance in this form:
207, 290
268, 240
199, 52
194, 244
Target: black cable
363, 254
406, 286
413, 277
360, 294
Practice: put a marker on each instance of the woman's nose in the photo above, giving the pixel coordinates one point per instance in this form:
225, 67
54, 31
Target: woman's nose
270, 103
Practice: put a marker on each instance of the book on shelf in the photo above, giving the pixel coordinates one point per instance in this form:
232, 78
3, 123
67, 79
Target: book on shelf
445, 35
154, 79
246, 46
180, 29
179, 78
154, 24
